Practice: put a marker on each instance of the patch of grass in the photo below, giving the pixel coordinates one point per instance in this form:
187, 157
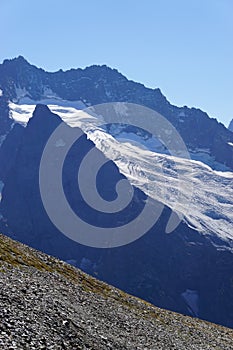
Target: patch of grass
15, 254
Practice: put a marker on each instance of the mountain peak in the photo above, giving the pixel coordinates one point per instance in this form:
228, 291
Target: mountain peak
40, 108
20, 59
42, 118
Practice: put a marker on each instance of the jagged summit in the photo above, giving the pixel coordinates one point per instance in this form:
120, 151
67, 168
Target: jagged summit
19, 59
43, 113
43, 119
91, 70
41, 109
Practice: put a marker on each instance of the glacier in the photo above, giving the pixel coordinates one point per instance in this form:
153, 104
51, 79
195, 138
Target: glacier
148, 167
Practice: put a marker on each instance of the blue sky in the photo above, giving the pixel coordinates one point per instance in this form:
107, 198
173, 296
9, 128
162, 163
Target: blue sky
184, 47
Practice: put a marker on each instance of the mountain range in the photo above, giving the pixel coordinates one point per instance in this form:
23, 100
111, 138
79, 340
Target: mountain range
189, 270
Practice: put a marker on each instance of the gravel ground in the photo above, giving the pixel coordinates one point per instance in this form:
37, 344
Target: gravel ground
47, 304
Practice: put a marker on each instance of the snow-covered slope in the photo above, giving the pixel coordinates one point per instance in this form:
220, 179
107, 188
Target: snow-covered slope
203, 197
208, 209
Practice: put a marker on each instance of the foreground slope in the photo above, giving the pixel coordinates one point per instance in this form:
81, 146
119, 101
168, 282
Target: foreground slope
47, 304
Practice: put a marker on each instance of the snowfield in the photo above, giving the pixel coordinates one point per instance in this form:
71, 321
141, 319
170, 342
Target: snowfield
203, 196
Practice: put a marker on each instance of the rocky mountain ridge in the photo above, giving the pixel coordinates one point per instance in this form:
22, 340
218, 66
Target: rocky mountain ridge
100, 84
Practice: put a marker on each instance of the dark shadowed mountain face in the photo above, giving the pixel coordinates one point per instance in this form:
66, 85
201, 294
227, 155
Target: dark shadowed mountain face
99, 84
182, 271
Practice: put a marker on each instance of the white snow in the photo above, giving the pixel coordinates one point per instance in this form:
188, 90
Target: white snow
191, 297
49, 93
49, 98
86, 264
60, 143
1, 188
203, 155
54, 101
209, 210
1, 92
21, 113
2, 138
151, 143
181, 114
154, 145
121, 109
20, 93
72, 262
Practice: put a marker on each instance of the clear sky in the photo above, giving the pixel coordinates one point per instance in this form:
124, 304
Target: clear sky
184, 47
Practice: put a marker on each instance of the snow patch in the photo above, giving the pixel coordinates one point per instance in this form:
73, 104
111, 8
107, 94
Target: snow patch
121, 108
49, 93
191, 298
60, 143
2, 138
181, 114
151, 143
20, 93
21, 113
72, 262
1, 188
55, 101
86, 265
203, 155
